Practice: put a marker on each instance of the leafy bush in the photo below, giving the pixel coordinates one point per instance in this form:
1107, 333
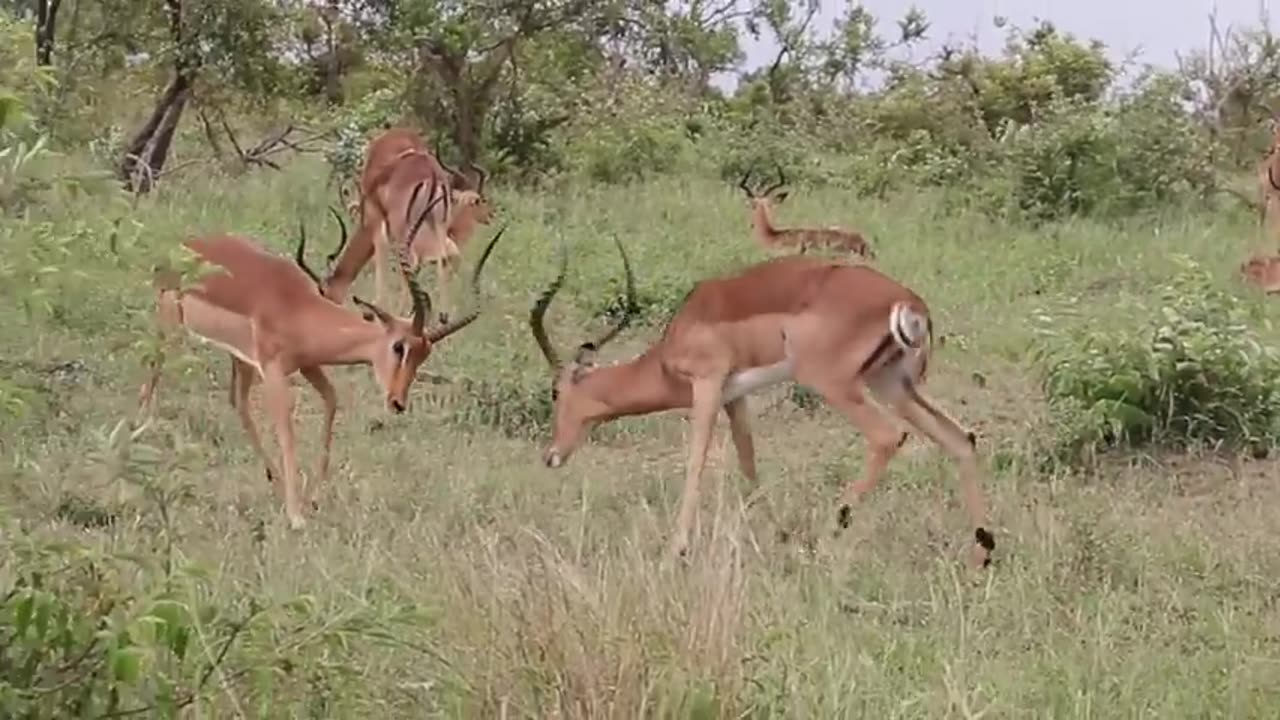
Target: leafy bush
625, 132
1138, 154
1194, 375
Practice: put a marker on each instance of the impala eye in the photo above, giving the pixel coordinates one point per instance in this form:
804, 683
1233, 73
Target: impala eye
397, 347
555, 393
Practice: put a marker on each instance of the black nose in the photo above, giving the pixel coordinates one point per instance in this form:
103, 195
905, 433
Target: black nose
397, 406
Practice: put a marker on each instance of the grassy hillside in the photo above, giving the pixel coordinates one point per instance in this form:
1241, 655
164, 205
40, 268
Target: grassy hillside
448, 573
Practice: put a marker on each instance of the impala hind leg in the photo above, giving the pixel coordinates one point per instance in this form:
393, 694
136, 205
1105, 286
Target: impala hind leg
279, 397
883, 437
960, 444
702, 421
379, 269
243, 377
329, 397
740, 427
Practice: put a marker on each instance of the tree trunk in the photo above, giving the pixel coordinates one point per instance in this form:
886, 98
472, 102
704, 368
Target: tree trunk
333, 94
145, 155
471, 87
468, 119
46, 30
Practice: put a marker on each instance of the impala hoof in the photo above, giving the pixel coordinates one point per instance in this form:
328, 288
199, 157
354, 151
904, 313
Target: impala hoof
680, 550
984, 545
844, 516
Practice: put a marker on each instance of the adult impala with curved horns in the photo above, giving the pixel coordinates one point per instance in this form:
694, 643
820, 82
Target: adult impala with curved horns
842, 329
396, 162
762, 204
1268, 179
269, 314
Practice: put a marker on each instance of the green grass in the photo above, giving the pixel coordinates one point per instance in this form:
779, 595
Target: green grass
1146, 590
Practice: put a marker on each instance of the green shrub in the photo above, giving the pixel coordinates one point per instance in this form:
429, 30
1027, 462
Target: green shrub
625, 133
1193, 374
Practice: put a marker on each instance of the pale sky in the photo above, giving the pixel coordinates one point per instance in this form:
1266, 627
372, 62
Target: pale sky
1158, 28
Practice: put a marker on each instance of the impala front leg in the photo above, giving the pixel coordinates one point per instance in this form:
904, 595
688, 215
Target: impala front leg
279, 397
243, 376
702, 420
740, 427
329, 396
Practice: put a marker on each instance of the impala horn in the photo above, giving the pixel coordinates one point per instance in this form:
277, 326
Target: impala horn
300, 255
587, 350
539, 310
782, 181
421, 299
481, 178
743, 183
342, 243
444, 331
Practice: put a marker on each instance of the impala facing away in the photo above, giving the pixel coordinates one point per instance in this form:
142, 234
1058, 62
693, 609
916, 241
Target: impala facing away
762, 204
840, 329
396, 162
1268, 176
268, 313
1263, 272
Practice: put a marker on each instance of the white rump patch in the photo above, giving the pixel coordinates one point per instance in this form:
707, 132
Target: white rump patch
909, 327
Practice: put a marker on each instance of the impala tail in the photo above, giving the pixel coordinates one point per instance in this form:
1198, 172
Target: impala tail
910, 327
905, 346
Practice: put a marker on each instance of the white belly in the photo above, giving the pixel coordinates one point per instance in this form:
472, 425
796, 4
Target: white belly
751, 380
220, 328
229, 348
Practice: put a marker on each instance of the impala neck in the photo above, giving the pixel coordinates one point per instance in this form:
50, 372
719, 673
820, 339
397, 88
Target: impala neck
462, 226
353, 259
762, 219
346, 339
637, 387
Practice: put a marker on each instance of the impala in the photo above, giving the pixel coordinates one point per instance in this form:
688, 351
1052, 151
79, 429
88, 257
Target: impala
300, 260
396, 162
1268, 177
844, 330
267, 312
762, 204
1263, 272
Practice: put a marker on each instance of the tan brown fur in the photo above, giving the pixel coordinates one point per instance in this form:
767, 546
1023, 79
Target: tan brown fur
268, 313
1268, 179
762, 204
824, 324
395, 161
1262, 272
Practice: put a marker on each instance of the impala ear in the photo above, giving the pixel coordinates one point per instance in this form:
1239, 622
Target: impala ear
780, 197
586, 354
371, 312
584, 360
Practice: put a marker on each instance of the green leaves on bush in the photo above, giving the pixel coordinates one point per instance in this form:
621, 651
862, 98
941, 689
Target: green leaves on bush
1192, 374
